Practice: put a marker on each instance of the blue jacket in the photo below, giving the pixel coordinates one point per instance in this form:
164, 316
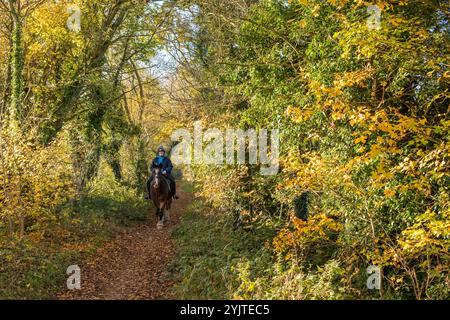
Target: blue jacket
162, 162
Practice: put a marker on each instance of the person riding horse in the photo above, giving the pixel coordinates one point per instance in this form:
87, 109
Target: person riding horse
163, 162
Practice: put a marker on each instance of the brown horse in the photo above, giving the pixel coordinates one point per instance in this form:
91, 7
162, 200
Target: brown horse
161, 196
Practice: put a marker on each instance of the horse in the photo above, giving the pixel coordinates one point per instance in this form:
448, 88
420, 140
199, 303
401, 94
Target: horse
161, 196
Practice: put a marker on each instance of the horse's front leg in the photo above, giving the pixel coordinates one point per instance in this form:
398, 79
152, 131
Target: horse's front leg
167, 211
160, 214
166, 215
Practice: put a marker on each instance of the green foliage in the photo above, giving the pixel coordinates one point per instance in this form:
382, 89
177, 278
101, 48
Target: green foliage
114, 200
363, 119
209, 253
217, 261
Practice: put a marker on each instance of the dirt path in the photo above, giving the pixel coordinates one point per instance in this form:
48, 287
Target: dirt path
134, 264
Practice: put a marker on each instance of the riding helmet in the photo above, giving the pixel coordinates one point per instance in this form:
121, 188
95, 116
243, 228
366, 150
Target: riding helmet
161, 149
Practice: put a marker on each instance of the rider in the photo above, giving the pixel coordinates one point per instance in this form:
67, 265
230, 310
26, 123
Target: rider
166, 166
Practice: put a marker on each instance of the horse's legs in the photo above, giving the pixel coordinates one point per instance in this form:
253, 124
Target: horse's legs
167, 211
167, 215
160, 214
160, 223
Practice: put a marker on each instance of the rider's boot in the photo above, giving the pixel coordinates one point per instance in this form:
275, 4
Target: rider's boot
174, 186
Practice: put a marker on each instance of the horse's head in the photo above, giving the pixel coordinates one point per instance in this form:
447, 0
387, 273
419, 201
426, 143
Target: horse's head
157, 174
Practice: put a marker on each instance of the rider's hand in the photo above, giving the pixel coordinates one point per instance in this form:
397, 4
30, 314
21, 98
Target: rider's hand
164, 172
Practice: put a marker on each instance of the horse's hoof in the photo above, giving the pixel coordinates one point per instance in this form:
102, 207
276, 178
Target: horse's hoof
159, 226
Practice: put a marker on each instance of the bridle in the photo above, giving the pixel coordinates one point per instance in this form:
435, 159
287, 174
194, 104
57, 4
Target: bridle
157, 174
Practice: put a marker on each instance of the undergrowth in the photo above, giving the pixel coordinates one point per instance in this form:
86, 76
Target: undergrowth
216, 259
34, 267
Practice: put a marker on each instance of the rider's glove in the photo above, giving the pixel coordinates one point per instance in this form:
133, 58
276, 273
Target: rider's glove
164, 172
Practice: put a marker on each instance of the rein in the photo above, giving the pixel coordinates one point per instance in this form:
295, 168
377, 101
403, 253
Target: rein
163, 178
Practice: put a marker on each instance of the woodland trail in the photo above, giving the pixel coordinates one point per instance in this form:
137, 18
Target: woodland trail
134, 264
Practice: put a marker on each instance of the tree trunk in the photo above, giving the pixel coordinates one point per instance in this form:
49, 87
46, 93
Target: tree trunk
22, 225
10, 228
17, 64
7, 89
